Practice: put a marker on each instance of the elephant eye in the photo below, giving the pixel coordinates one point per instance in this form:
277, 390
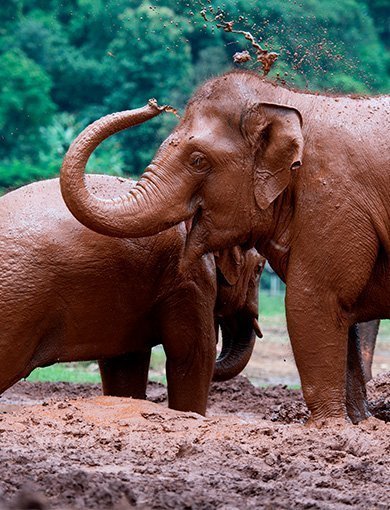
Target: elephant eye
198, 161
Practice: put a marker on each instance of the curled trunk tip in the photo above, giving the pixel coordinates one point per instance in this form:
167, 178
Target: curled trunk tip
164, 108
238, 341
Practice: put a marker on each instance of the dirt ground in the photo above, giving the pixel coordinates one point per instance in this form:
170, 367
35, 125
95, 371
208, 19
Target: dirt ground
65, 446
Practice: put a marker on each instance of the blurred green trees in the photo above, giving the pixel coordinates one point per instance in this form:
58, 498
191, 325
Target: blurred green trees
63, 64
25, 102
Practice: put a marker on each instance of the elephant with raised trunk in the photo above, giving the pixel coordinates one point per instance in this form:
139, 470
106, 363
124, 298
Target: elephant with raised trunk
302, 177
70, 294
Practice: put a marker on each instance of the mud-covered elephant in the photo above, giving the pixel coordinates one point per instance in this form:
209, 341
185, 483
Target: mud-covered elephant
69, 294
303, 177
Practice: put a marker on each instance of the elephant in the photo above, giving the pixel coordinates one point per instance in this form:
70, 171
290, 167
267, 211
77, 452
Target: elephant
301, 176
70, 294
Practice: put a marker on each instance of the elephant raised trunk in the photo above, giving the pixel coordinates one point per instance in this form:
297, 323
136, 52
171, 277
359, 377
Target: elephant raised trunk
148, 208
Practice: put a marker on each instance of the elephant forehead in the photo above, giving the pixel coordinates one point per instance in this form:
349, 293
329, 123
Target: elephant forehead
201, 125
218, 115
213, 131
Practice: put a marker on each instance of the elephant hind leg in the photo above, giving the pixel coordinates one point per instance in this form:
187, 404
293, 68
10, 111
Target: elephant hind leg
357, 405
125, 375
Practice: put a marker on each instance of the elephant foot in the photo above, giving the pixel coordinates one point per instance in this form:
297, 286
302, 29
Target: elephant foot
359, 414
321, 423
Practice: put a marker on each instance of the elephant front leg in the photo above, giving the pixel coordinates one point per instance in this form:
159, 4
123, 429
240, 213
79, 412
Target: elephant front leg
320, 344
190, 345
126, 375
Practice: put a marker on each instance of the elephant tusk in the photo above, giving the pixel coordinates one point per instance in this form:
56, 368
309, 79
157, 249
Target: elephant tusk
188, 224
256, 327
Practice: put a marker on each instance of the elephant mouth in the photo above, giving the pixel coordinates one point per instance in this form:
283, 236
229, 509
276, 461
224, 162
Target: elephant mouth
193, 221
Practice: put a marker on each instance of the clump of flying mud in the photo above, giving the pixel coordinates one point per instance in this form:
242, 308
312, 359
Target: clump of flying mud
65, 446
164, 108
264, 58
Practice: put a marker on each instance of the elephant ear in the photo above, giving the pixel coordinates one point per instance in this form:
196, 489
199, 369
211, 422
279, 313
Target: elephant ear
229, 262
276, 134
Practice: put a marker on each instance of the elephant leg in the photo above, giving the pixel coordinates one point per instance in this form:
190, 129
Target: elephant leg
126, 375
320, 345
357, 406
368, 332
190, 345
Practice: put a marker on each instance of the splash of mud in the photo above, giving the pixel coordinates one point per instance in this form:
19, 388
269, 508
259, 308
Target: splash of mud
165, 108
265, 58
241, 57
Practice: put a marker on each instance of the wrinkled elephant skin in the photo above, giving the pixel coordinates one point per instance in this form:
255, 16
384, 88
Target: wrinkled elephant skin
303, 177
70, 294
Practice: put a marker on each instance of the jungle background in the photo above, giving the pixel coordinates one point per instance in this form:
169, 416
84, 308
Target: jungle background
65, 64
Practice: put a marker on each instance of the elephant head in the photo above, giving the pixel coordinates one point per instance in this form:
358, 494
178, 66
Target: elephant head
222, 168
238, 275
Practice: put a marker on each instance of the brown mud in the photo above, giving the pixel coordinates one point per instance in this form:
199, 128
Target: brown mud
264, 57
65, 446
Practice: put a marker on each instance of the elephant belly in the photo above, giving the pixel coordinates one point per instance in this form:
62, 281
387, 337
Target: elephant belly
91, 338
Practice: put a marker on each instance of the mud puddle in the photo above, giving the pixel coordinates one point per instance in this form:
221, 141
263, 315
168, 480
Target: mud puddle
69, 447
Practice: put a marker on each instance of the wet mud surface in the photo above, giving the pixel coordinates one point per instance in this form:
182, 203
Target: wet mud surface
65, 446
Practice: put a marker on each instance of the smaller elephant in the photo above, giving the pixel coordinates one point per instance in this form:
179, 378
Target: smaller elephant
368, 332
70, 294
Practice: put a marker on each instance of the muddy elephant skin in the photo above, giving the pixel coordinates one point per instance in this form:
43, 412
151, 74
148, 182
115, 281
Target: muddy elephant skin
69, 294
303, 177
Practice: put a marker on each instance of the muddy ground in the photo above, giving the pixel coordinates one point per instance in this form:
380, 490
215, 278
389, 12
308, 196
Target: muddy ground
73, 448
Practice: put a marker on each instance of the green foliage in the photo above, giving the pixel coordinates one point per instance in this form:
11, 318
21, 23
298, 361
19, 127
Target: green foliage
77, 373
108, 158
16, 172
270, 306
318, 41
160, 66
86, 58
56, 138
25, 102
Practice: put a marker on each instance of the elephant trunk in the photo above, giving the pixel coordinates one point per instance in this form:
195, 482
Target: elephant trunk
238, 341
151, 206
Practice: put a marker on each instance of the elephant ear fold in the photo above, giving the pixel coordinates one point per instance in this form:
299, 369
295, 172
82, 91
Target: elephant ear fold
276, 134
229, 262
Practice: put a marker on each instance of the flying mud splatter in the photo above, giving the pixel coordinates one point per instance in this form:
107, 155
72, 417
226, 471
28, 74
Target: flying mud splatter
265, 58
241, 57
166, 108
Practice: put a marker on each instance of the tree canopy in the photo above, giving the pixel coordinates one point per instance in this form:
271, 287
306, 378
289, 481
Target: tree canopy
63, 64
